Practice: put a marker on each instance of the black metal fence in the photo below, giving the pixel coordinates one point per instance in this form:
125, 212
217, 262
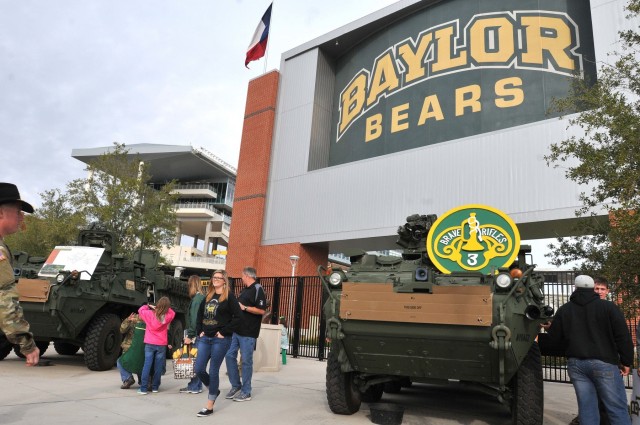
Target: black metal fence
299, 299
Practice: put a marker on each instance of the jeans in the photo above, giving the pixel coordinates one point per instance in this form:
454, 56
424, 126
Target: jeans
154, 355
195, 384
246, 345
593, 379
211, 350
124, 373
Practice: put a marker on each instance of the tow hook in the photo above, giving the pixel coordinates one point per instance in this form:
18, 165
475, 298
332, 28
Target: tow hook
498, 333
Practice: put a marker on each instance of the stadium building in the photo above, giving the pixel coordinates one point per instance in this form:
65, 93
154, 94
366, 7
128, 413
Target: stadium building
418, 108
205, 186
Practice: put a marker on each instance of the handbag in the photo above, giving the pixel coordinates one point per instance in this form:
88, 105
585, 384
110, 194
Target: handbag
184, 362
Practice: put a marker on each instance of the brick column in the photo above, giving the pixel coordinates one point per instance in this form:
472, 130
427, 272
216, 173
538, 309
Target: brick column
251, 189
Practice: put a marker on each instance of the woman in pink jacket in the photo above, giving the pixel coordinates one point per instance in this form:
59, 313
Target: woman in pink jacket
157, 318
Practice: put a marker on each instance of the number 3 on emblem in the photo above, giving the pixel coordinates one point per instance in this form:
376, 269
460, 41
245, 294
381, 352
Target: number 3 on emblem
472, 259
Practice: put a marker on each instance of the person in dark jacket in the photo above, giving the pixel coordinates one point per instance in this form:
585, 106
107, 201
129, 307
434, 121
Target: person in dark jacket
218, 318
253, 303
601, 287
599, 351
195, 292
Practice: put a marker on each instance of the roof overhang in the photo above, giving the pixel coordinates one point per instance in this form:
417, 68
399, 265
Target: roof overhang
169, 162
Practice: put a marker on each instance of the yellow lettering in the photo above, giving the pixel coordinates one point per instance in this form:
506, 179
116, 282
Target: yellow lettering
399, 114
384, 78
430, 109
468, 97
373, 128
414, 60
491, 41
551, 35
445, 45
352, 101
509, 92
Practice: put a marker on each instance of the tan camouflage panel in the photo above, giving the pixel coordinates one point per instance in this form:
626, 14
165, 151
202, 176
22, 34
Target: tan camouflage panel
127, 328
6, 270
12, 322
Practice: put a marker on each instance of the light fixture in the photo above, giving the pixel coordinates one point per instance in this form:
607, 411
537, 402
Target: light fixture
294, 261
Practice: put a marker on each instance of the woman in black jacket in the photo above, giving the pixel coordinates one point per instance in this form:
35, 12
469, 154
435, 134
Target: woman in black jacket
218, 317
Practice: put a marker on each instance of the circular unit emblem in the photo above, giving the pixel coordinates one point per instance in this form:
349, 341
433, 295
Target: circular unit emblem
473, 238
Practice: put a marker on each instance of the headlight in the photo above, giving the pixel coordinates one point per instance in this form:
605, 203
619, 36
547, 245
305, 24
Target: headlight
335, 279
503, 280
60, 278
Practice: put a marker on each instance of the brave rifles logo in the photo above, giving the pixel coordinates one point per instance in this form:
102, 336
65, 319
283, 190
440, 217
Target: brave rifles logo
473, 238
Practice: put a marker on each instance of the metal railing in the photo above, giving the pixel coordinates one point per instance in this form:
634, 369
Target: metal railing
216, 159
195, 186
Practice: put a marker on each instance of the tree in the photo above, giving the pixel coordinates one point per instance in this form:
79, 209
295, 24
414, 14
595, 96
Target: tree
56, 222
117, 194
607, 155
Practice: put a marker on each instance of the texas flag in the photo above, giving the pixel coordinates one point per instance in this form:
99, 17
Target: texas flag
258, 44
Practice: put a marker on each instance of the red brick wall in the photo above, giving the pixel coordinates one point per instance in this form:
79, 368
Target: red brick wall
251, 189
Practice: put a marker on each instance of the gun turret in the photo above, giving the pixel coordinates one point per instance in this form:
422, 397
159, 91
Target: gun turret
412, 236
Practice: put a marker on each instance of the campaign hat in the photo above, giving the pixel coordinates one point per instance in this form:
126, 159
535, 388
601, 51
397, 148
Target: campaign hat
9, 193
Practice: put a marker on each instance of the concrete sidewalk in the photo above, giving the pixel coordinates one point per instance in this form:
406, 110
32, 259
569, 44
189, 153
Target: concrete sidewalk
67, 393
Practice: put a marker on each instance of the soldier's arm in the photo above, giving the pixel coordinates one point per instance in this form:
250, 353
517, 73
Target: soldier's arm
12, 322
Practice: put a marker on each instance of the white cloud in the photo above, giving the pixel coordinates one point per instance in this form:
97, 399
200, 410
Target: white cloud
82, 73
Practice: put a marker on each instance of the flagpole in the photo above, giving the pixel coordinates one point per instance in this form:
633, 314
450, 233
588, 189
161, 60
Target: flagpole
266, 58
266, 52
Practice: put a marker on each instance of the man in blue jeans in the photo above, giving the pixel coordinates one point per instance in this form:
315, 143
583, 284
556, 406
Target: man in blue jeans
599, 351
253, 304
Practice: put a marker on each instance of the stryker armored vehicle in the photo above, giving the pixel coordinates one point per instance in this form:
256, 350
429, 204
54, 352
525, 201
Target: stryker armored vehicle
81, 308
393, 321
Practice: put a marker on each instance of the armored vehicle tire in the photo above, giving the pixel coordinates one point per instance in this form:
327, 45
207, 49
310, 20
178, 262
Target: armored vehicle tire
527, 396
5, 347
373, 394
65, 348
342, 394
42, 346
176, 334
102, 343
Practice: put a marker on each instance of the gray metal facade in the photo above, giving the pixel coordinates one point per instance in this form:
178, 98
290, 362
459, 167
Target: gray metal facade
361, 204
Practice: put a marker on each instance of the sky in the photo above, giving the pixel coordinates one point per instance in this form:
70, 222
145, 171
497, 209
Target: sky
81, 74
88, 73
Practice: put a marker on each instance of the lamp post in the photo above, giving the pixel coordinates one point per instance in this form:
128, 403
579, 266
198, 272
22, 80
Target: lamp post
294, 262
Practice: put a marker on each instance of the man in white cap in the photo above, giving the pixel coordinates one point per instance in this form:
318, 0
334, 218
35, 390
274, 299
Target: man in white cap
599, 352
12, 322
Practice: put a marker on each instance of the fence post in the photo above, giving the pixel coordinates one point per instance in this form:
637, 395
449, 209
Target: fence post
297, 314
275, 302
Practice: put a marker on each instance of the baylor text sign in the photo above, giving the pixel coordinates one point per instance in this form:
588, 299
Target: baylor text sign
456, 69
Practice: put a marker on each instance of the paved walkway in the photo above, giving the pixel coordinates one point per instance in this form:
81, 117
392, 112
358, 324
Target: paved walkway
67, 393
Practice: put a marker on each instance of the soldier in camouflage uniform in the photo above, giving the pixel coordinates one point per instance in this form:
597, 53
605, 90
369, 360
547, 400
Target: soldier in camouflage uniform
12, 322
